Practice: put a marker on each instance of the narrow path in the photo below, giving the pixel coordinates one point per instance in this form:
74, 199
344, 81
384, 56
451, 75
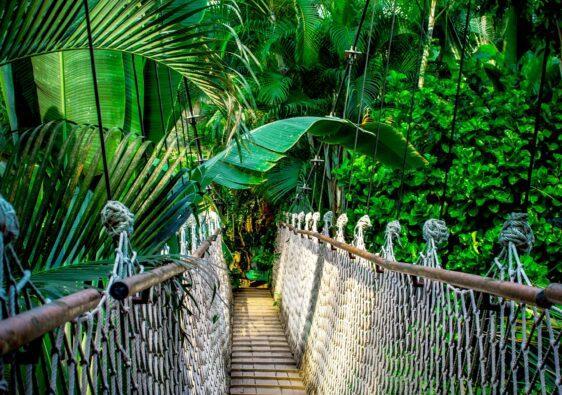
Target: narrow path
262, 362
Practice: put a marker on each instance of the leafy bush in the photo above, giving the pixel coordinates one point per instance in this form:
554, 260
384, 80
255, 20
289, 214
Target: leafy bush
488, 176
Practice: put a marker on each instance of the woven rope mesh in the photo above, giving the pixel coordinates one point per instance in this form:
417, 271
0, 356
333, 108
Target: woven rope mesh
356, 330
174, 344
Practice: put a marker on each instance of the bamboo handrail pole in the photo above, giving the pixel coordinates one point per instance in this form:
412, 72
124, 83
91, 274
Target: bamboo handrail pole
519, 292
25, 327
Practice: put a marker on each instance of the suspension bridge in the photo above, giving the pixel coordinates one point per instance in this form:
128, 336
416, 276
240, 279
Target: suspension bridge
337, 320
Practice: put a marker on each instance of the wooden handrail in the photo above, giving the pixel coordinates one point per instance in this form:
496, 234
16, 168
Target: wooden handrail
542, 297
25, 327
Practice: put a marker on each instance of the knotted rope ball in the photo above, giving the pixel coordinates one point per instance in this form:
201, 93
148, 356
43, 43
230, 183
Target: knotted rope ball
315, 219
436, 230
393, 230
342, 221
516, 230
117, 218
363, 223
328, 218
9, 225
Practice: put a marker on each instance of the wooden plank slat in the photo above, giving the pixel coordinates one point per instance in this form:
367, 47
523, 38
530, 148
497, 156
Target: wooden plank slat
262, 361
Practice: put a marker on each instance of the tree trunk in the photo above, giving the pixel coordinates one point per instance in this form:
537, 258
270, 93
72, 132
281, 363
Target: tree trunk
427, 44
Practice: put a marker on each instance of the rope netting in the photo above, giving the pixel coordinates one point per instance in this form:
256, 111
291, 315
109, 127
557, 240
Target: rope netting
358, 329
172, 338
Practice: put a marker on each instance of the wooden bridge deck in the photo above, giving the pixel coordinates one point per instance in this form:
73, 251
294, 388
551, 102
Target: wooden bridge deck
262, 362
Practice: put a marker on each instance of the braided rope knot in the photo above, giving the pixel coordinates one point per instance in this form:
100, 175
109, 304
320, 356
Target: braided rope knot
436, 230
359, 232
9, 225
315, 219
300, 218
340, 223
516, 230
307, 221
393, 229
328, 219
117, 218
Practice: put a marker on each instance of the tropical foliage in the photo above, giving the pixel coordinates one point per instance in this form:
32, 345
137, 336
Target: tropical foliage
286, 120
243, 163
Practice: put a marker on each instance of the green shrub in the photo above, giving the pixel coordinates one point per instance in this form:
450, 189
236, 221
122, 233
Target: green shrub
487, 178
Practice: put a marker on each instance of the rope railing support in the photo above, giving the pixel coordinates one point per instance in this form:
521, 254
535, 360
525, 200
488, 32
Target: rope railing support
166, 330
543, 297
415, 328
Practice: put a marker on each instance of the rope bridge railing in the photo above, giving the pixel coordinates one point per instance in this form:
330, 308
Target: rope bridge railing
165, 330
362, 323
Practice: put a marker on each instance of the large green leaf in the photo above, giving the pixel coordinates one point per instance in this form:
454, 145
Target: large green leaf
178, 34
262, 148
161, 91
65, 88
20, 95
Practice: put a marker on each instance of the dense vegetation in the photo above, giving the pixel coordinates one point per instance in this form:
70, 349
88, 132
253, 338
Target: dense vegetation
248, 63
495, 126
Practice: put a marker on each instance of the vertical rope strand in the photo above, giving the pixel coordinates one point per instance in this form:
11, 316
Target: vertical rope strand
382, 96
320, 200
172, 95
410, 117
193, 121
97, 99
362, 96
534, 141
160, 106
347, 70
455, 111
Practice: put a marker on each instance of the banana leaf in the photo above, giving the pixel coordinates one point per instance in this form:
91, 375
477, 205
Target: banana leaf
179, 35
65, 90
243, 164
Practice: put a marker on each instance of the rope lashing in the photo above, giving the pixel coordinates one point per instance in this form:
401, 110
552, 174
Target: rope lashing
391, 234
392, 231
340, 224
351, 324
359, 232
315, 219
9, 225
436, 230
294, 220
328, 222
516, 230
117, 218
300, 219
307, 221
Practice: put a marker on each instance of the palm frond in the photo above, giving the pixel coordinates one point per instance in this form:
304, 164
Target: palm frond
307, 32
53, 179
179, 35
282, 180
262, 149
274, 88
